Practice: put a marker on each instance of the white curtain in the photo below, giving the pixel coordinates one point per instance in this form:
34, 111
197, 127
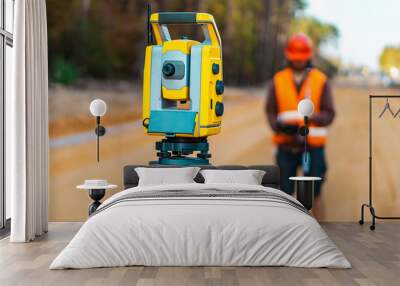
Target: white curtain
27, 124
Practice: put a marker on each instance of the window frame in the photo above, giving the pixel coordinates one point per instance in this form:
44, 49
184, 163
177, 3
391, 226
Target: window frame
6, 39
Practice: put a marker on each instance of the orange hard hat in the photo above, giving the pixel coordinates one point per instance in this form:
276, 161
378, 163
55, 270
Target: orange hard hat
299, 48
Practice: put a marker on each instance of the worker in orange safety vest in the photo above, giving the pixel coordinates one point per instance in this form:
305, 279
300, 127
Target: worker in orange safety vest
297, 81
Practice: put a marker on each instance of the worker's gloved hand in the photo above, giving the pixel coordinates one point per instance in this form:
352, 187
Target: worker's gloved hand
288, 129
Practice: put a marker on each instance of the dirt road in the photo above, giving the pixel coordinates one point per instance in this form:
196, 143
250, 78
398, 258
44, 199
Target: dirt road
245, 139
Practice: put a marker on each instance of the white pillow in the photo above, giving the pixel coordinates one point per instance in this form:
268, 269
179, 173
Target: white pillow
166, 176
247, 177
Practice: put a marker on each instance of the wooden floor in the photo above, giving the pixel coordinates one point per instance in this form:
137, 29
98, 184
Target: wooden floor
375, 257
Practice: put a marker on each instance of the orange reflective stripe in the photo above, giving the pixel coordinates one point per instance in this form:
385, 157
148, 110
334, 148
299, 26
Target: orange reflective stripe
317, 136
287, 99
280, 139
316, 141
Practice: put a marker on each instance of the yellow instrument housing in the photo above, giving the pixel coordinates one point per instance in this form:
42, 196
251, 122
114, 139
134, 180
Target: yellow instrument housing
192, 80
184, 46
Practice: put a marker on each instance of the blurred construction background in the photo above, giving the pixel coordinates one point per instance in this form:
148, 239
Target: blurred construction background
96, 50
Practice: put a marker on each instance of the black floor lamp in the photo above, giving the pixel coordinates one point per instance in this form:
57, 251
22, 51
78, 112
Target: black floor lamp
98, 108
304, 186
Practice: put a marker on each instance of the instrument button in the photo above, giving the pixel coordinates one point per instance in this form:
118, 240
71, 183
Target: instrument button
215, 68
219, 87
219, 109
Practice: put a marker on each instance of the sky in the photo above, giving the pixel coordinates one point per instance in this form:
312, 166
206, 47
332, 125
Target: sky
366, 27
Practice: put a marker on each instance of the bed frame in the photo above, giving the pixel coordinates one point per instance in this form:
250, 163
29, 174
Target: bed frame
270, 179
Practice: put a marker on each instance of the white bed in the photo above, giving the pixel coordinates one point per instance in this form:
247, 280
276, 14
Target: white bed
249, 225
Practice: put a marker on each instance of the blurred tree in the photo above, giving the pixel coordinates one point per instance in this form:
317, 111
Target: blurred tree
389, 58
64, 71
276, 18
320, 33
107, 38
254, 34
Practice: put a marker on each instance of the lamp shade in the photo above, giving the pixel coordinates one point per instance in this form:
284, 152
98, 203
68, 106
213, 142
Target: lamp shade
98, 107
305, 107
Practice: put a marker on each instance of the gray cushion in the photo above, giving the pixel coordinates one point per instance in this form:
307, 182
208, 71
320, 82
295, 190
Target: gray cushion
270, 179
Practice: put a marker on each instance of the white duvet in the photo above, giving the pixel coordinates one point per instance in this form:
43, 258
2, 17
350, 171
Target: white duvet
200, 231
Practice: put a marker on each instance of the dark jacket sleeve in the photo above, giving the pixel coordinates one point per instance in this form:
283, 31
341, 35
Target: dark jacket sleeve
327, 108
271, 108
